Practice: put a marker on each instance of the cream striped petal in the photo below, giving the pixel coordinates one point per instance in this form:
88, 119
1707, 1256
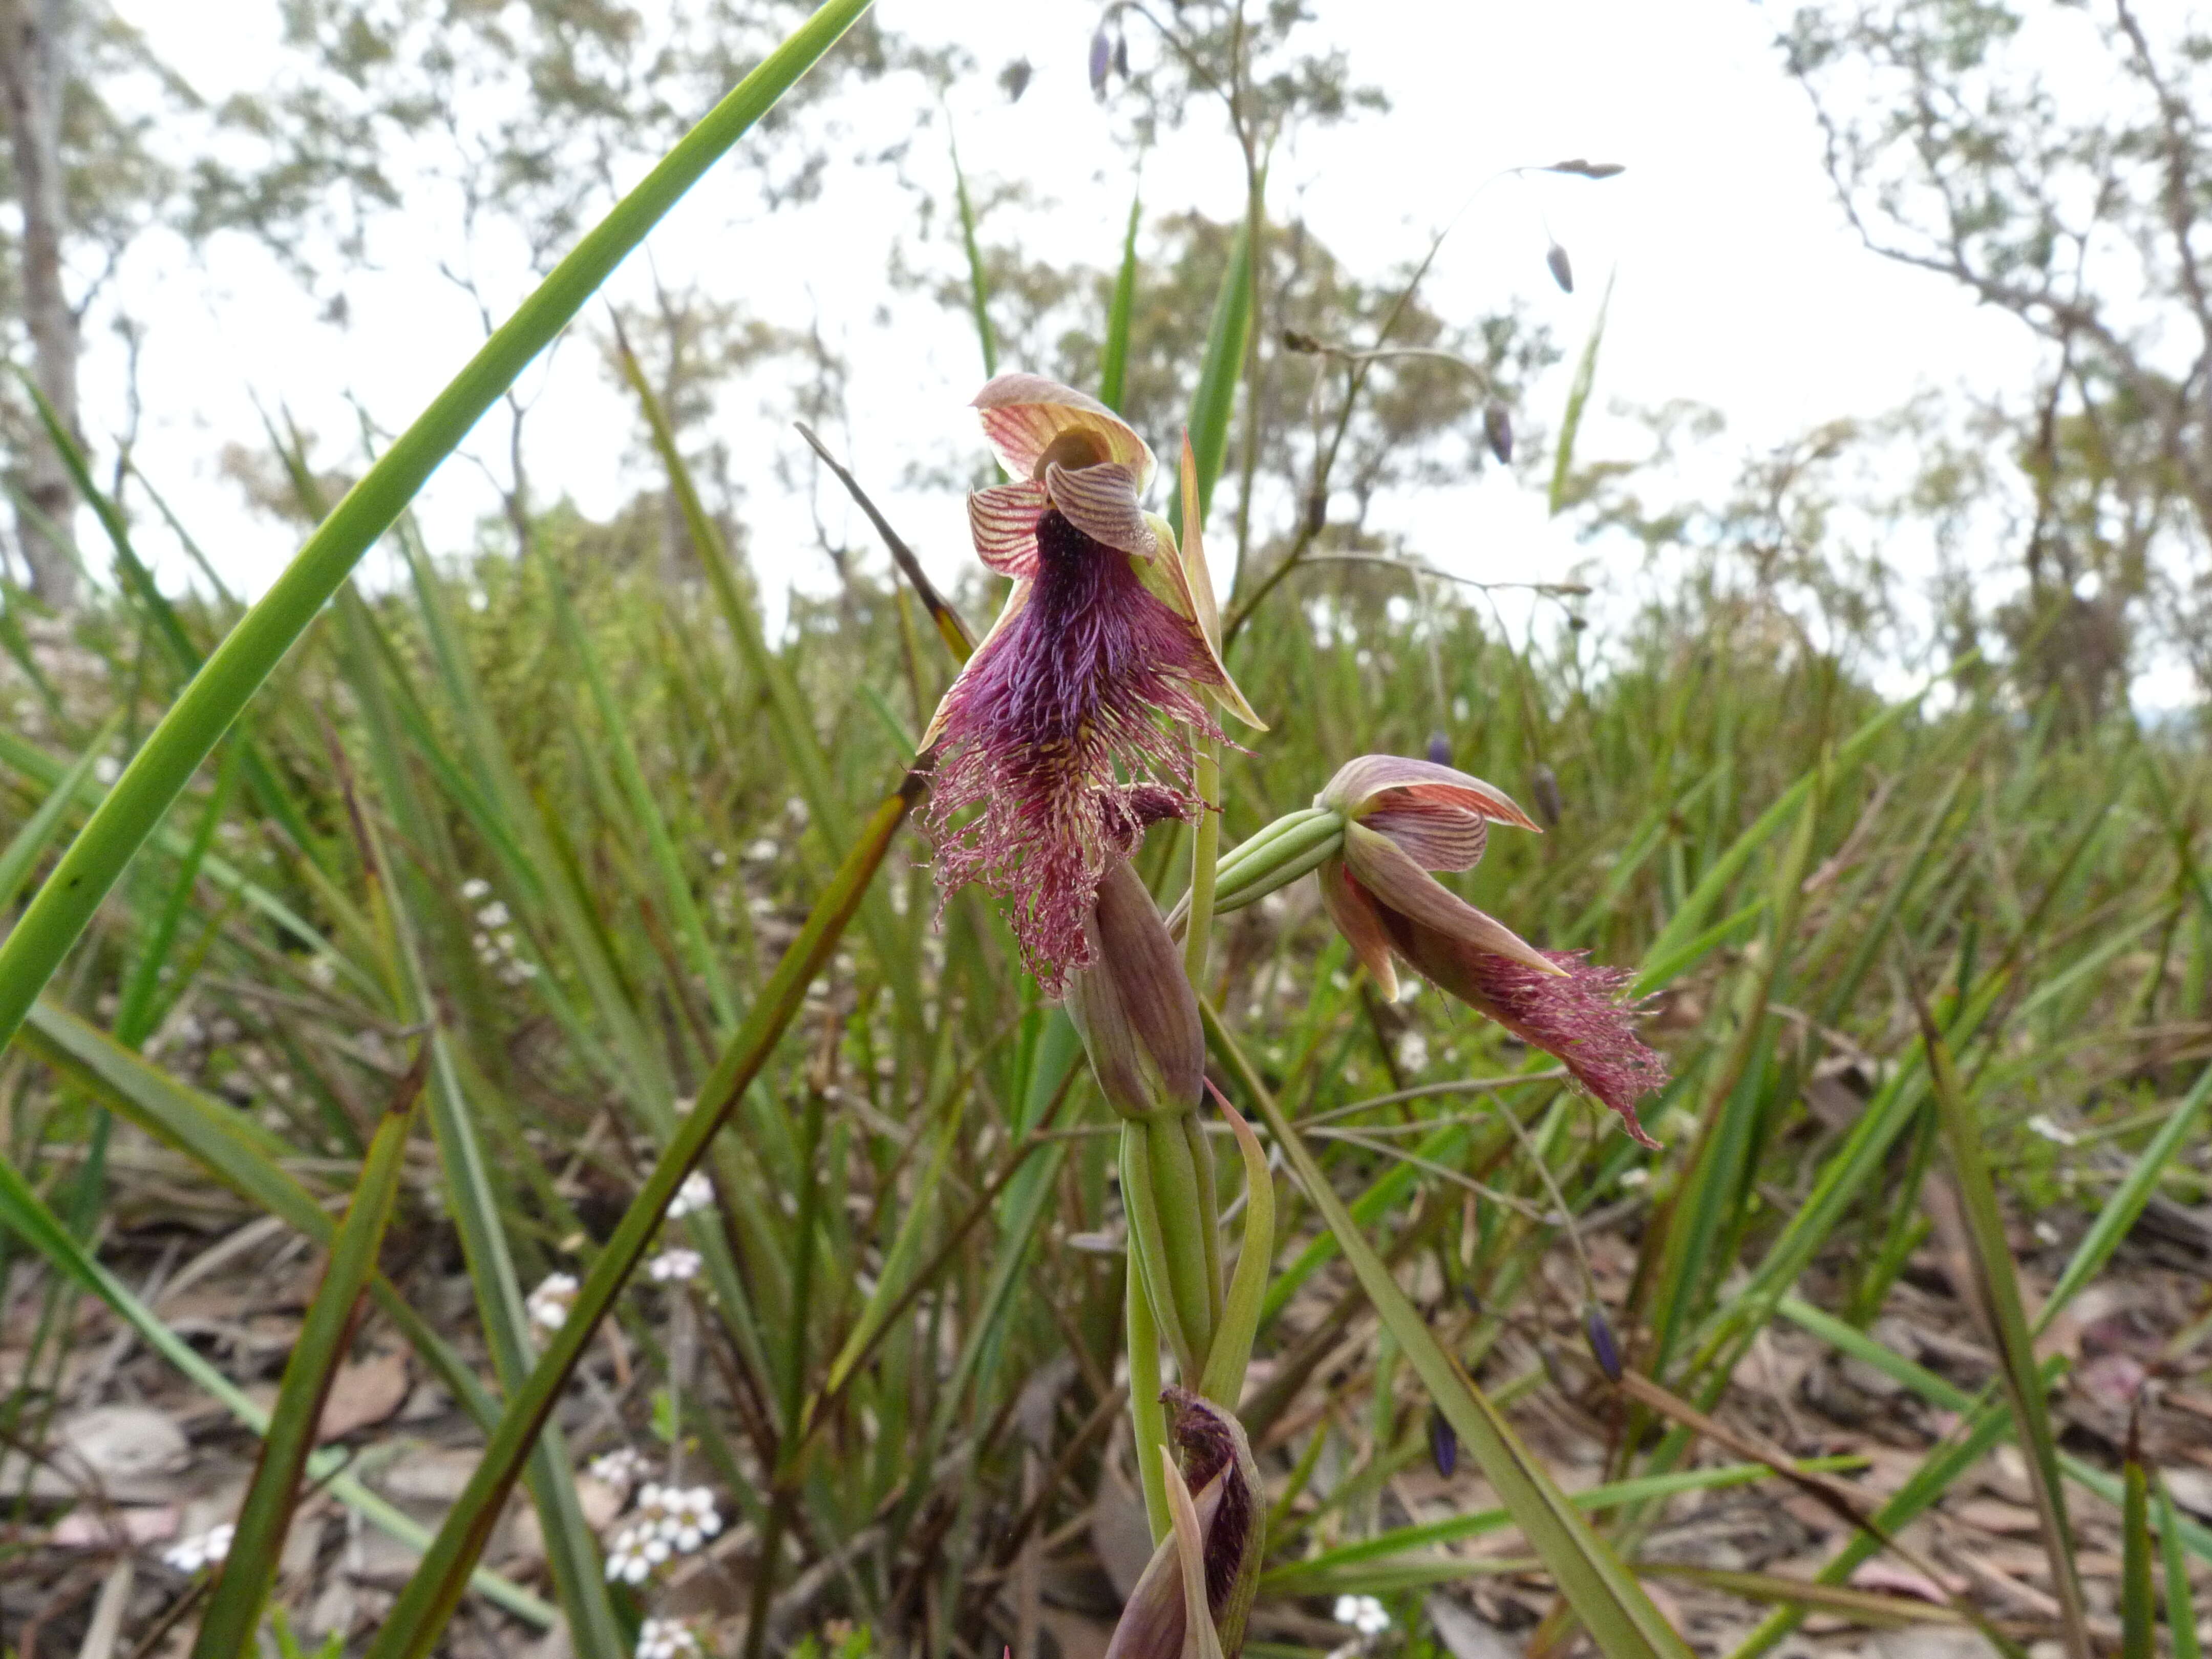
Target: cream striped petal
1002, 520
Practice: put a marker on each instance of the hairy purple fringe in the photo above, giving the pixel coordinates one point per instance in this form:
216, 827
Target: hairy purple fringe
1583, 1017
1054, 731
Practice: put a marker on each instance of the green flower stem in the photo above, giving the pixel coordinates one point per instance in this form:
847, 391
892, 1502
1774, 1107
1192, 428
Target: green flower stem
1188, 1236
1148, 1250
1147, 1415
250, 653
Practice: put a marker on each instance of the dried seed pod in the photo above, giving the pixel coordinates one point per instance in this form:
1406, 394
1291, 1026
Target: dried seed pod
1544, 784
1582, 169
1316, 512
1014, 79
1293, 340
1443, 1443
1497, 429
1563, 270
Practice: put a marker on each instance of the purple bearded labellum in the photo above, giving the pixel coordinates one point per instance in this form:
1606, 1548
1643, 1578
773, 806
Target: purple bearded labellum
1406, 817
1223, 1481
1070, 727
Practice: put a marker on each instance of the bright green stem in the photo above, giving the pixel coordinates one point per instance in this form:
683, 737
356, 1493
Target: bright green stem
160, 771
1146, 1416
1191, 1260
431, 1594
1148, 1250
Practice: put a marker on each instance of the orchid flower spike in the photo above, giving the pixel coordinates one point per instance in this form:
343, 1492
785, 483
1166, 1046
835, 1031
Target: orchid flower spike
1070, 727
1406, 817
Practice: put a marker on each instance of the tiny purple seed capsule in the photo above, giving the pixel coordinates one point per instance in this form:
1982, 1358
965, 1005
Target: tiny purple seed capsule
1102, 60
1603, 1349
1498, 430
1444, 1444
1563, 271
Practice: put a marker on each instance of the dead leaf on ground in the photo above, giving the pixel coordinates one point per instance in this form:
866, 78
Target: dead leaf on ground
363, 1395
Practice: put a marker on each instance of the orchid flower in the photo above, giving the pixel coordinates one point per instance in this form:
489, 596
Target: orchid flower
1403, 819
1071, 726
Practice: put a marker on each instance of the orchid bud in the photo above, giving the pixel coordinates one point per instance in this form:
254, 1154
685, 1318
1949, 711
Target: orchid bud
1563, 272
1221, 1484
1545, 784
1135, 1010
1604, 1348
1498, 431
1102, 60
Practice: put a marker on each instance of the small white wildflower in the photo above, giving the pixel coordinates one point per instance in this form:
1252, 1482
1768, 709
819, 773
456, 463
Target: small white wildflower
2044, 1125
689, 1518
667, 1638
796, 810
2047, 1233
106, 770
628, 1562
474, 888
677, 1267
696, 1194
762, 851
620, 1468
1414, 1052
1364, 1613
1636, 1176
547, 1305
202, 1549
494, 915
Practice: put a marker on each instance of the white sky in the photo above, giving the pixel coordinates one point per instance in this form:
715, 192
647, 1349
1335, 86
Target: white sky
1739, 285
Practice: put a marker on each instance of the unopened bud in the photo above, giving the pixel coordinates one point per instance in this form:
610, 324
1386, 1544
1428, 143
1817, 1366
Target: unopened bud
1014, 79
1582, 169
1439, 748
1544, 784
1443, 1443
1497, 429
1101, 59
1293, 340
1604, 1348
1563, 271
1135, 1009
1121, 55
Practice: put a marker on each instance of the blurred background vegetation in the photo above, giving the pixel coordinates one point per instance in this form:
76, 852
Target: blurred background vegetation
562, 793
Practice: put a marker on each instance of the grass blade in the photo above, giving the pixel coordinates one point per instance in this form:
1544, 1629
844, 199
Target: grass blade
1114, 356
250, 1569
2137, 1618
29, 843
2180, 1611
979, 287
1967, 1209
1218, 375
164, 765
1578, 397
